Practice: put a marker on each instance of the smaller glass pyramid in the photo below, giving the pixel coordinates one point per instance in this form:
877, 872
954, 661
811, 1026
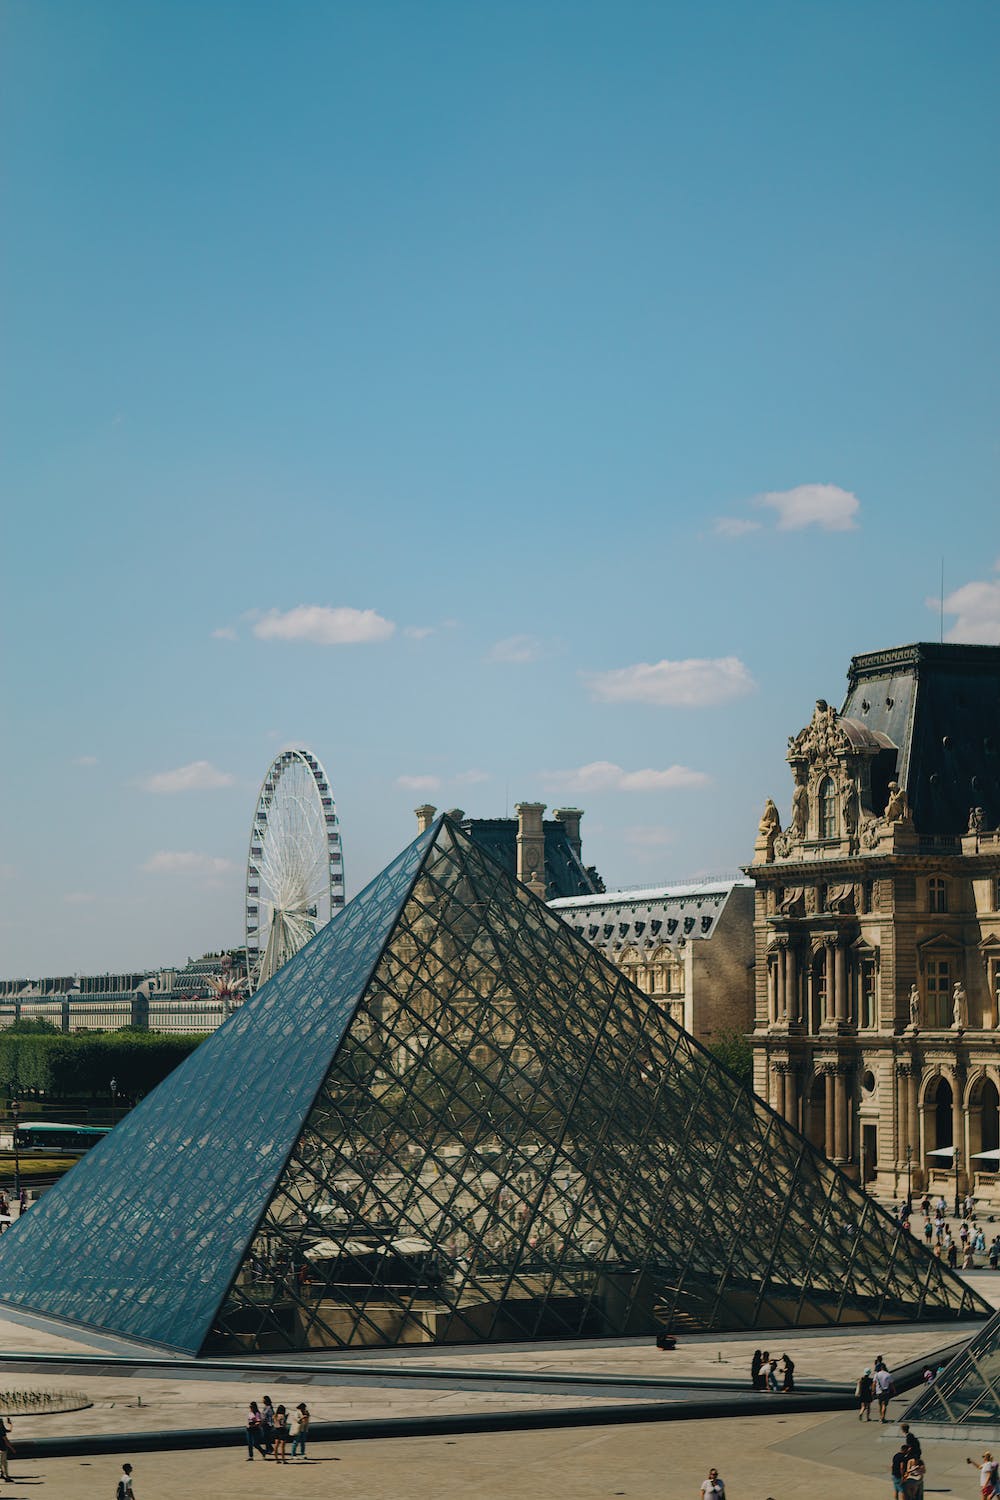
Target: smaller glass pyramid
967, 1392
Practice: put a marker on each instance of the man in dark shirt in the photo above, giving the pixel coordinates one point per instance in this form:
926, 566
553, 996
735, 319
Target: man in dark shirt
910, 1439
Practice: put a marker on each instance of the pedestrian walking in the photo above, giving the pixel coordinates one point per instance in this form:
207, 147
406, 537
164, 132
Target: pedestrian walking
913, 1474
900, 1459
280, 1435
254, 1438
125, 1490
988, 1475
755, 1370
301, 1429
6, 1449
788, 1372
884, 1392
267, 1425
865, 1392
713, 1487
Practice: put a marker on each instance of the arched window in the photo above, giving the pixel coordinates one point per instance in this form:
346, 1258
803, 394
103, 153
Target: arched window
827, 809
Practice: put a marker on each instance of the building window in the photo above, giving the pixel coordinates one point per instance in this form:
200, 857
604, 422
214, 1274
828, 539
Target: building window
866, 992
937, 894
827, 809
938, 992
996, 893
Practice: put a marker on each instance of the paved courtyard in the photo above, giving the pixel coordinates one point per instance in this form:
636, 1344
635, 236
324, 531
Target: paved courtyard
787, 1458
779, 1454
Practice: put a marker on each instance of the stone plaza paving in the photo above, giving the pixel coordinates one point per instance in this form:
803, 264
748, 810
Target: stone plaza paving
781, 1454
787, 1458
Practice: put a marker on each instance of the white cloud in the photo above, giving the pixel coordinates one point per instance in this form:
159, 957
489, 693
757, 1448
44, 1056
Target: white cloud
199, 776
977, 606
823, 505
224, 633
79, 898
85, 760
471, 778
517, 649
184, 862
605, 776
419, 783
648, 837
417, 632
734, 526
693, 683
323, 625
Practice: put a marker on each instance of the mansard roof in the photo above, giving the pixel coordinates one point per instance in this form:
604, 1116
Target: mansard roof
940, 705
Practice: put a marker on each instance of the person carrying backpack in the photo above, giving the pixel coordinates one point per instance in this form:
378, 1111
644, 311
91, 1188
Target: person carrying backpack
125, 1490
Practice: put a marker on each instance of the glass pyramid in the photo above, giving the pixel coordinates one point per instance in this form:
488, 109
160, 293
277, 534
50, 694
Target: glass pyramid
448, 1119
967, 1393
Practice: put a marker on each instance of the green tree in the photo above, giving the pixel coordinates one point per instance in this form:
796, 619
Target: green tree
732, 1049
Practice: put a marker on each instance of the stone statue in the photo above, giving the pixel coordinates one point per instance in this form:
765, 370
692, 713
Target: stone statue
896, 807
914, 1006
769, 826
977, 819
960, 1007
849, 809
800, 805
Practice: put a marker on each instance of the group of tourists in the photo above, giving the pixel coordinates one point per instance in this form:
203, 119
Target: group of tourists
875, 1384
764, 1372
907, 1467
269, 1428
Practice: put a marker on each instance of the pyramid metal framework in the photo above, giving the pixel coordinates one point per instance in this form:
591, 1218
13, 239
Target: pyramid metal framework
449, 1119
967, 1392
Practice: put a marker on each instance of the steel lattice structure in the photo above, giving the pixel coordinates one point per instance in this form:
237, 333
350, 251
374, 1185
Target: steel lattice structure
449, 1120
295, 868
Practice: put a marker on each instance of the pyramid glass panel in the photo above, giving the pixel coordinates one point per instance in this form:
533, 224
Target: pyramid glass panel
448, 1119
144, 1235
967, 1392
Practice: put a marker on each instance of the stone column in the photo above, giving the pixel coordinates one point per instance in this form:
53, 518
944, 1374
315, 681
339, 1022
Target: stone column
779, 983
790, 1110
957, 1128
791, 984
902, 1113
829, 1111
840, 984
425, 816
777, 1089
840, 1137
531, 846
912, 1112
570, 817
830, 977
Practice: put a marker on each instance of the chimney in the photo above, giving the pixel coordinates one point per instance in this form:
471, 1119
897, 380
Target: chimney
425, 816
570, 817
531, 846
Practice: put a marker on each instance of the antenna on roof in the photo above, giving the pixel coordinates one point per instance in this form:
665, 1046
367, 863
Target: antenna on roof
942, 601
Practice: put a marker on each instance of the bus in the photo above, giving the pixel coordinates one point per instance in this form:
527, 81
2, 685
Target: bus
57, 1140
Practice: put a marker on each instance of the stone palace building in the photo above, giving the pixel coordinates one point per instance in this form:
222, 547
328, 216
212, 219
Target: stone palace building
878, 926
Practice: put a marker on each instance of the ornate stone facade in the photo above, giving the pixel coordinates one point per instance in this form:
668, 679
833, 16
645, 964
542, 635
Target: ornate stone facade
688, 946
878, 926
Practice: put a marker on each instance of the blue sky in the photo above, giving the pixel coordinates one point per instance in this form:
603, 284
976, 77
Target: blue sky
381, 378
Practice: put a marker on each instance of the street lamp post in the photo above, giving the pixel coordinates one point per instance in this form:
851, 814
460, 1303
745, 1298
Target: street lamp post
114, 1102
958, 1208
14, 1108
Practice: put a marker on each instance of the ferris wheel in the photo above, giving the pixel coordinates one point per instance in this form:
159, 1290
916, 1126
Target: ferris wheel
295, 869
